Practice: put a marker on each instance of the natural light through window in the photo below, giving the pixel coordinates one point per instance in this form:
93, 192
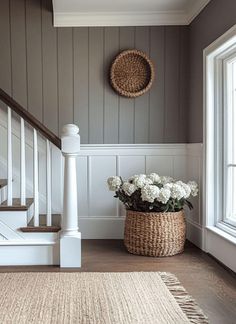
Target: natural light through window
230, 144
220, 135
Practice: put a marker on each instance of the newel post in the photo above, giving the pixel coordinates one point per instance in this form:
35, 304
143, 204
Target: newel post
70, 239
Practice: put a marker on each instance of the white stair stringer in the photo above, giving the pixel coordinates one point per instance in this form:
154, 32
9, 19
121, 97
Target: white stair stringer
14, 219
8, 233
19, 248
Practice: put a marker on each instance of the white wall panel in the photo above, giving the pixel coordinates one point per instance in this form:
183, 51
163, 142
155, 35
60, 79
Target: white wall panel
163, 165
82, 181
130, 165
101, 202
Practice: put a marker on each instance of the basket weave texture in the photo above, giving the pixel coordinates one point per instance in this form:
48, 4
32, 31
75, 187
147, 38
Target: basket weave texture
132, 73
155, 234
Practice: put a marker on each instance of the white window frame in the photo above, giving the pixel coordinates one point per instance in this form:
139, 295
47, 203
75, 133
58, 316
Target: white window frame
229, 97
215, 57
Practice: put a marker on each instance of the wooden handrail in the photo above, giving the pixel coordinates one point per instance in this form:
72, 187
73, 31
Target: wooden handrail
29, 118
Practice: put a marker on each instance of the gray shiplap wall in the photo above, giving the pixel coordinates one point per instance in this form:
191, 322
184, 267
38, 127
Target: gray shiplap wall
61, 75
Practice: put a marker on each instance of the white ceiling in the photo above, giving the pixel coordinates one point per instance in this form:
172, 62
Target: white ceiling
125, 12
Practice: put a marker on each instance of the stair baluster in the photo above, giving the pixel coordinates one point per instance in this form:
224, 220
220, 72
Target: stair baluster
36, 180
9, 158
49, 184
22, 163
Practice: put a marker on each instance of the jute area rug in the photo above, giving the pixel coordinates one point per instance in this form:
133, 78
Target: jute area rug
96, 298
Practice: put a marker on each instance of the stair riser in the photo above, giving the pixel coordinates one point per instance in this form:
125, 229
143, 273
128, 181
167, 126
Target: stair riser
56, 220
29, 255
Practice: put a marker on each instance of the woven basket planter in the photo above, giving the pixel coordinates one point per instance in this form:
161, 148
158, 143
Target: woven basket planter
155, 234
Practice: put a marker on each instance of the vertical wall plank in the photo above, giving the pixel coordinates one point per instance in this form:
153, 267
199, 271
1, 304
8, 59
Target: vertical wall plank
96, 84
65, 76
111, 99
126, 113
183, 84
81, 95
34, 58
5, 47
141, 110
172, 78
62, 73
18, 45
157, 100
49, 51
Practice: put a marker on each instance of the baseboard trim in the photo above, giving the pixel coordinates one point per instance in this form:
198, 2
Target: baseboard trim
102, 228
113, 228
195, 234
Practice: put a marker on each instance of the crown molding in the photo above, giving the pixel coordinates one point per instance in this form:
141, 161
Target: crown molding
95, 19
196, 9
154, 18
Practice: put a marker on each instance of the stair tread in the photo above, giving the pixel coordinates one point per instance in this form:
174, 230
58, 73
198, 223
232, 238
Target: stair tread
40, 229
3, 183
16, 205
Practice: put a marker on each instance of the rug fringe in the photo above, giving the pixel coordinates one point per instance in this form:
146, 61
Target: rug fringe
184, 300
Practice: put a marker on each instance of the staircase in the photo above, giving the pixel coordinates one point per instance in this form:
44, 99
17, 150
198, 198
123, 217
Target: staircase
31, 234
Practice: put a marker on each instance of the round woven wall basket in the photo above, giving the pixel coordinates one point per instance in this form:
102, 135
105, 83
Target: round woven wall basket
132, 73
155, 234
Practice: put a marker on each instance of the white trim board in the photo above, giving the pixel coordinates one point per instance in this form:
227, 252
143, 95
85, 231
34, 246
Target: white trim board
215, 241
113, 228
71, 18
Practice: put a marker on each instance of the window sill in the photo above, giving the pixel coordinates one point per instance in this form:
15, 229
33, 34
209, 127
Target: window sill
228, 237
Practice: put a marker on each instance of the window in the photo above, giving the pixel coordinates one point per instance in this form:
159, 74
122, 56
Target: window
229, 214
220, 133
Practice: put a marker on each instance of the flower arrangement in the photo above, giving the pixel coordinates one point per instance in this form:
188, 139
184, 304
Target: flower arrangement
153, 193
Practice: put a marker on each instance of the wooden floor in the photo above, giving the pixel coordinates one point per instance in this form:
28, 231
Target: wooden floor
207, 281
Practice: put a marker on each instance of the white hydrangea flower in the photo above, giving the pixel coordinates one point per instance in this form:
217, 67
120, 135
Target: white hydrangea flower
164, 180
186, 188
149, 193
177, 191
194, 188
164, 195
154, 177
129, 188
114, 183
141, 180
168, 185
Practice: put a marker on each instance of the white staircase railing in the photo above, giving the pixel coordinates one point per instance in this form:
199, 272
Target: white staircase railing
70, 239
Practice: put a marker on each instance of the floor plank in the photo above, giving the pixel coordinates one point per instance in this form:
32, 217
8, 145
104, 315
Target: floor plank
213, 286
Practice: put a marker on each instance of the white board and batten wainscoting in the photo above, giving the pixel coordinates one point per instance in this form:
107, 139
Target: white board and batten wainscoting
100, 215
